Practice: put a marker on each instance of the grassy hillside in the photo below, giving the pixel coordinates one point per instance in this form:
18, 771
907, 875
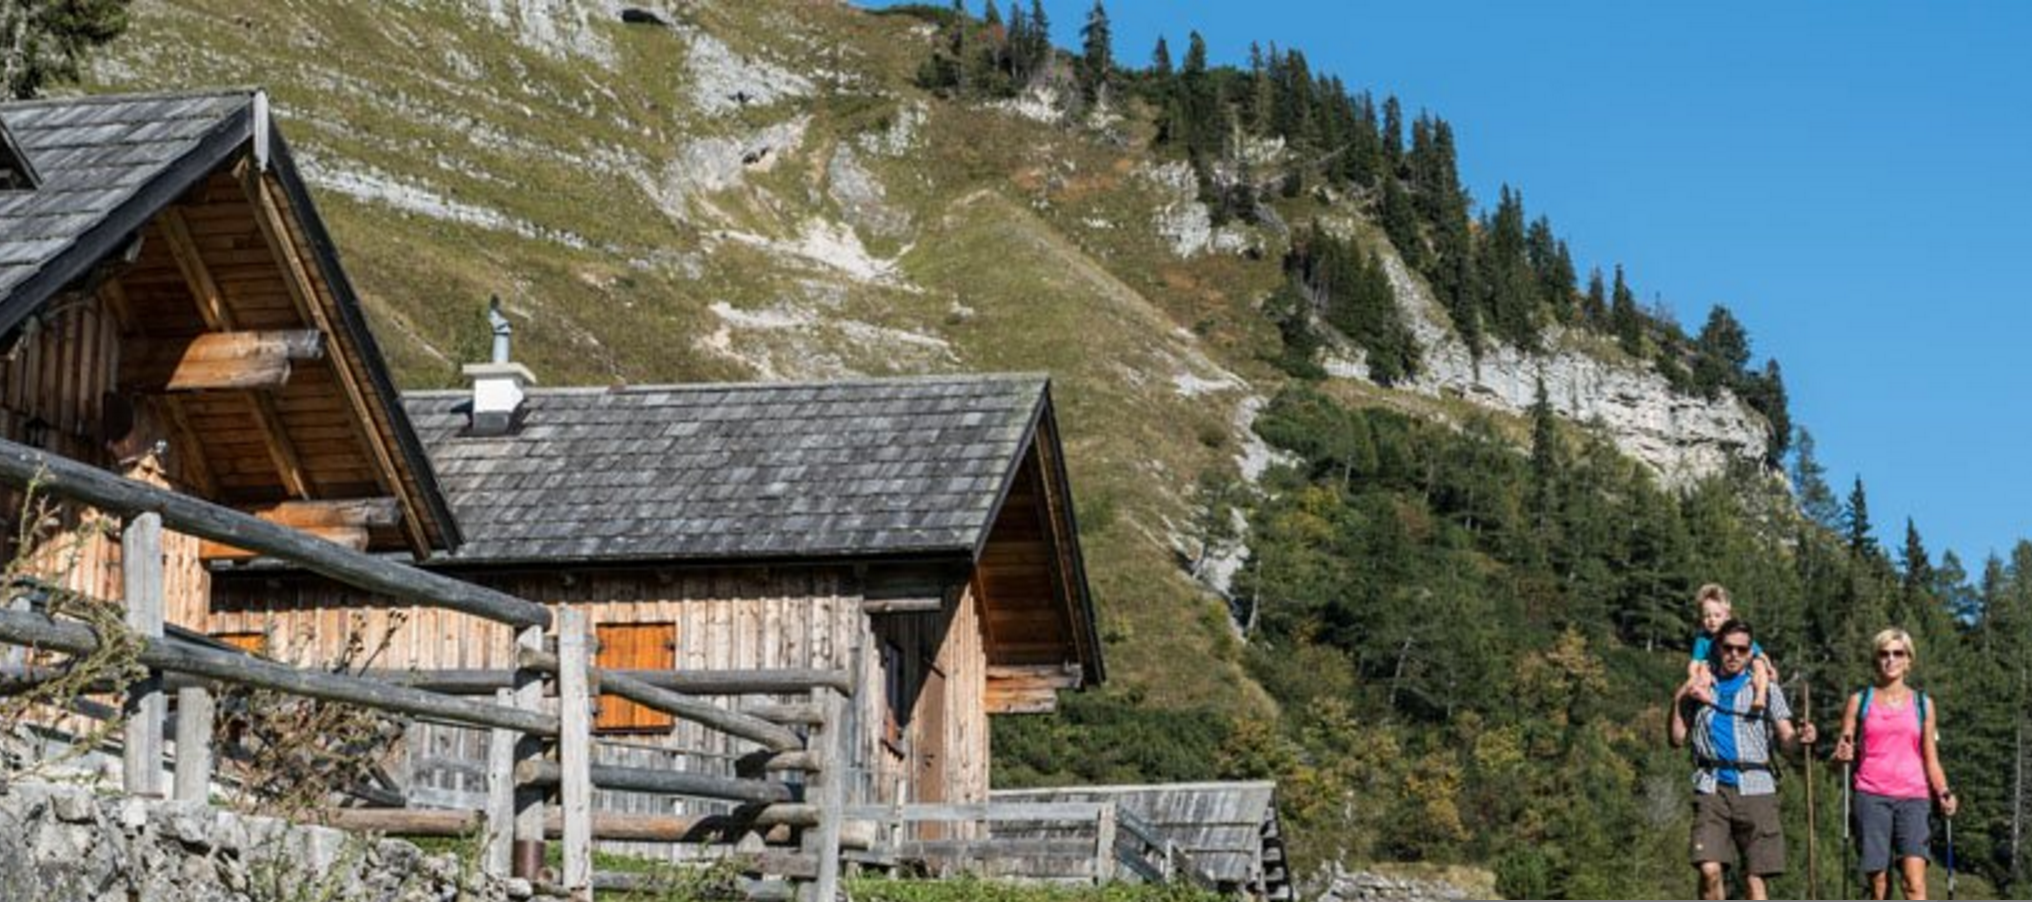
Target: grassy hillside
642, 225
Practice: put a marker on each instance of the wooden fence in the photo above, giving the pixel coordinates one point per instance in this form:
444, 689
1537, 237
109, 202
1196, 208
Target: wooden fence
540, 772
1075, 842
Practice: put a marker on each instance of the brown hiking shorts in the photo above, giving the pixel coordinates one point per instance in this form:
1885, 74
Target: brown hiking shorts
1726, 820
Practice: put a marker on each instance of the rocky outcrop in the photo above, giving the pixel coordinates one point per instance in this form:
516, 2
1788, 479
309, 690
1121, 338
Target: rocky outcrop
66, 843
1682, 438
1183, 220
723, 81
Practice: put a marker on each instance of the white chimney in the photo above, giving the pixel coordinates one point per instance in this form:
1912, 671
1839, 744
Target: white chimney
498, 384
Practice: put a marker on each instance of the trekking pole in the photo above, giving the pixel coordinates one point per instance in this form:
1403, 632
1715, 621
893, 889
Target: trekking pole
1950, 853
1812, 822
1847, 847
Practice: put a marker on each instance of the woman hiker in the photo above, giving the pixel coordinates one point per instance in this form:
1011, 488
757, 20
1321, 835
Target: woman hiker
1888, 732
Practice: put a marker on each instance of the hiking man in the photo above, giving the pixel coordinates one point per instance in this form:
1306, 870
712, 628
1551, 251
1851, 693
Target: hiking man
1735, 799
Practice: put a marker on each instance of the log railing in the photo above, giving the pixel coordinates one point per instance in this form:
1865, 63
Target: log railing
1097, 841
537, 759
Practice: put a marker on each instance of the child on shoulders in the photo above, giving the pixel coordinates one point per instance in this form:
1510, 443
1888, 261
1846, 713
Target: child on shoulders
1715, 610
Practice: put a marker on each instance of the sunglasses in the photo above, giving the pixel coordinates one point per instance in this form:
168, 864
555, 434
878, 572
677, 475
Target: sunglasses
1735, 649
1893, 654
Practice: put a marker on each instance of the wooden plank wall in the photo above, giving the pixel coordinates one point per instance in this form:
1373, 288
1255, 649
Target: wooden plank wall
55, 384
725, 620
949, 752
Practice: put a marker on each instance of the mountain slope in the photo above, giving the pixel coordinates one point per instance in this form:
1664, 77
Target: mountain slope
758, 190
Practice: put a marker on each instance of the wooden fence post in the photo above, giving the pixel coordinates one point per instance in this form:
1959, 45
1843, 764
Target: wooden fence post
575, 751
500, 822
529, 838
827, 789
141, 570
1104, 844
193, 744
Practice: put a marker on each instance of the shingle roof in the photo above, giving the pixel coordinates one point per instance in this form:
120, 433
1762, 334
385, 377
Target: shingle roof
97, 157
893, 467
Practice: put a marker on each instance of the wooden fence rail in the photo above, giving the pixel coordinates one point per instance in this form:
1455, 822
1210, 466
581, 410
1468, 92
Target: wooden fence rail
519, 774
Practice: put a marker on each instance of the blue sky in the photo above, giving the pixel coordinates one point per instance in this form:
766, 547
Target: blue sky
1852, 179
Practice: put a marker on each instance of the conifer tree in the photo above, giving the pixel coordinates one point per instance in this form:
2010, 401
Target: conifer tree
44, 42
1160, 59
1097, 62
1765, 393
1393, 135
1546, 463
1020, 38
1809, 482
1625, 318
1721, 352
1917, 568
1040, 31
1856, 523
1595, 310
1509, 290
1261, 90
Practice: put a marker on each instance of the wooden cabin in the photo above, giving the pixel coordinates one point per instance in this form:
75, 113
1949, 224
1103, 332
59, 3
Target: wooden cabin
174, 310
923, 523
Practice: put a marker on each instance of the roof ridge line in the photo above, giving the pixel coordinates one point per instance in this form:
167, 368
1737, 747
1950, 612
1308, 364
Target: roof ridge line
928, 379
128, 97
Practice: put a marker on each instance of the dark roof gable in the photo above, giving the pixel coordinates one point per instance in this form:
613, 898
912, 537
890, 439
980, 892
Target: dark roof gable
890, 467
109, 164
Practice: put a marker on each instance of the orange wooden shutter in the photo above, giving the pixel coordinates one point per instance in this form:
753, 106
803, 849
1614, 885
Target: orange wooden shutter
634, 646
253, 643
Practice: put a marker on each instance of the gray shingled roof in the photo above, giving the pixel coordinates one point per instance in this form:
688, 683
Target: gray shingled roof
97, 157
879, 467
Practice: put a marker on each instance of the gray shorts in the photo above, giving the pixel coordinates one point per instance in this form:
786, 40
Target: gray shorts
1888, 828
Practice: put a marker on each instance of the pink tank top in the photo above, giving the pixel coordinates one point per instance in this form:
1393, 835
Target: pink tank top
1891, 763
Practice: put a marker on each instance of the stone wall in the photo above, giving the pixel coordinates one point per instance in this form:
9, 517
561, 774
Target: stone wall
69, 844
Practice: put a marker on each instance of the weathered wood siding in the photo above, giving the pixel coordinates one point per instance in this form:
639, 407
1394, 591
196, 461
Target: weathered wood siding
942, 752
56, 385
724, 619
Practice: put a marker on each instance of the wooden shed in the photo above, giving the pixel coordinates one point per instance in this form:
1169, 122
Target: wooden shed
1228, 830
925, 521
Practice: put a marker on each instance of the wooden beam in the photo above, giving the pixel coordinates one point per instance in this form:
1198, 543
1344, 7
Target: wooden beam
280, 449
66, 478
42, 631
659, 781
191, 464
345, 522
361, 513
733, 723
352, 538
303, 293
196, 275
217, 361
902, 605
606, 825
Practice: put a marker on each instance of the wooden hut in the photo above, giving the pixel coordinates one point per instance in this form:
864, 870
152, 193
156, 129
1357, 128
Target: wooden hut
924, 522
